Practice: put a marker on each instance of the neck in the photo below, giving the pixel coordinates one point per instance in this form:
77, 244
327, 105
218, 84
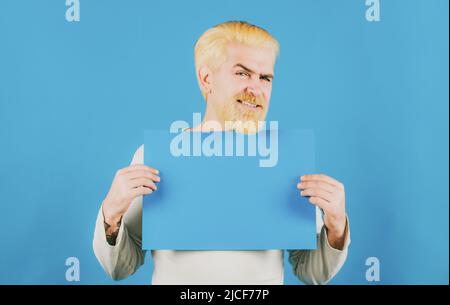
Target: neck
210, 116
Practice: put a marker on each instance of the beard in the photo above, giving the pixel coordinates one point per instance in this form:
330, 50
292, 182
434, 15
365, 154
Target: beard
243, 113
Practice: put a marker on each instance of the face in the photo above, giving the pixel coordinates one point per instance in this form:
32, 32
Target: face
240, 88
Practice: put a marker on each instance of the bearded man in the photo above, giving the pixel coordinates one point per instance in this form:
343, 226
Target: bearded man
235, 69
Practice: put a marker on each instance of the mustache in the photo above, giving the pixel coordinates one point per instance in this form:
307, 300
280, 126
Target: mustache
249, 98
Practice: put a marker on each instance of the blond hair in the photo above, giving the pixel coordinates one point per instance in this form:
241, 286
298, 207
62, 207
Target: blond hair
211, 48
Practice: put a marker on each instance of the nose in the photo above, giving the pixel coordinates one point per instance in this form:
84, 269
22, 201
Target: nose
254, 88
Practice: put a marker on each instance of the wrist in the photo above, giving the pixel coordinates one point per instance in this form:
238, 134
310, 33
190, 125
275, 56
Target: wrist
110, 216
336, 234
337, 227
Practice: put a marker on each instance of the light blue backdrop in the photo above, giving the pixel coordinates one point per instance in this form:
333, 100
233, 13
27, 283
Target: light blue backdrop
76, 97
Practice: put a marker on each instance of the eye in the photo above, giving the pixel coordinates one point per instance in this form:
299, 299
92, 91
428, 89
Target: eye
267, 79
242, 73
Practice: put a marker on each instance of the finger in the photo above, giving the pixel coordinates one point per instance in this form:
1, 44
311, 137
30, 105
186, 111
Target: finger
142, 182
142, 174
317, 192
316, 184
320, 177
320, 202
139, 191
141, 167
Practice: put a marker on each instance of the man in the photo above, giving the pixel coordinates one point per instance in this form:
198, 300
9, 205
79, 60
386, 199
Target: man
235, 69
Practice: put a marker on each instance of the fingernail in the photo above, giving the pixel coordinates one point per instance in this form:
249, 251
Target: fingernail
302, 178
301, 193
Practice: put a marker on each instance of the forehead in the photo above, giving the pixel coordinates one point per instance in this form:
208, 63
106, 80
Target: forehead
261, 60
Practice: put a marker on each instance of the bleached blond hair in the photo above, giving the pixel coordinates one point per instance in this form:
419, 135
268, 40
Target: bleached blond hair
211, 48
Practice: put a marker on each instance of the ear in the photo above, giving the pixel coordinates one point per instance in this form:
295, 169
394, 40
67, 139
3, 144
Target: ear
204, 79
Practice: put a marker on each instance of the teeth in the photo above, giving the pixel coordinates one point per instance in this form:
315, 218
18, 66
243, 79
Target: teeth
248, 104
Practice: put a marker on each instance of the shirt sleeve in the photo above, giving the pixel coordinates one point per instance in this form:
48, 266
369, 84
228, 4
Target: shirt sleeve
319, 266
122, 259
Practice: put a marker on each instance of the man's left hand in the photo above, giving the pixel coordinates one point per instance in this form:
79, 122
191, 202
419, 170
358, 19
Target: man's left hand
328, 194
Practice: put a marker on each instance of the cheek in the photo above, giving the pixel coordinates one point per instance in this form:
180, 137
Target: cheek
236, 85
226, 87
268, 93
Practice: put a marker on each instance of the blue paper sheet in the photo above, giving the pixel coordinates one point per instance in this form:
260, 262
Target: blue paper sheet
229, 202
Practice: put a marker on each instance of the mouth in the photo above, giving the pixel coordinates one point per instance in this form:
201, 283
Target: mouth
248, 104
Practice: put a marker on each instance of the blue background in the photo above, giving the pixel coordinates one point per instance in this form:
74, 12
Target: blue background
75, 98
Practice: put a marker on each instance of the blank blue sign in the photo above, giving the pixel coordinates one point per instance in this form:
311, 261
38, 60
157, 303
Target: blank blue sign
229, 202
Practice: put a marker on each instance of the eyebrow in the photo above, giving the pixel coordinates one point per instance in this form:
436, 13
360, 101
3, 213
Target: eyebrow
251, 71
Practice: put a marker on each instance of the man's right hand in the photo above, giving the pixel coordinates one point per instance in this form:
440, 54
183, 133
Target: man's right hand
129, 183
